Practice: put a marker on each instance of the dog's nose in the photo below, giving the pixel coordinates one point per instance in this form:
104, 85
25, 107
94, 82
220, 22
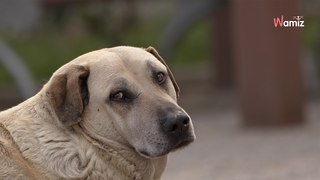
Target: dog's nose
176, 124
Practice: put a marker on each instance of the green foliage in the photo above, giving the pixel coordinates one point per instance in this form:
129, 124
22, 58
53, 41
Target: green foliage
46, 51
144, 35
195, 46
4, 76
311, 35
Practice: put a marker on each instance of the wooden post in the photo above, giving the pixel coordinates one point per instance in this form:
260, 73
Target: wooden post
268, 62
222, 50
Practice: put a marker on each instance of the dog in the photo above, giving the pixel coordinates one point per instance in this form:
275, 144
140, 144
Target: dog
108, 114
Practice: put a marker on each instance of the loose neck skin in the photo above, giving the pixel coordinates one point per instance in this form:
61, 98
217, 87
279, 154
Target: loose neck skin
44, 142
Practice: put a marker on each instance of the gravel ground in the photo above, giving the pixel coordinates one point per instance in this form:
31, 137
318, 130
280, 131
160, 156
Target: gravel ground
225, 150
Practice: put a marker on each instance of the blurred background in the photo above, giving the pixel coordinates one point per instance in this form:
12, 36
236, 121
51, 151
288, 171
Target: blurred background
252, 89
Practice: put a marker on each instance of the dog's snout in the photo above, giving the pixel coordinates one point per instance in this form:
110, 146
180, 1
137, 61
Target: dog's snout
176, 123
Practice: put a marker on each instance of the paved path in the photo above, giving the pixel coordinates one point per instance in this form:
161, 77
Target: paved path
225, 150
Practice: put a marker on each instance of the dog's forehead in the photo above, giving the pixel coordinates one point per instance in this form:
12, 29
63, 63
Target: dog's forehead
130, 52
120, 61
136, 57
130, 57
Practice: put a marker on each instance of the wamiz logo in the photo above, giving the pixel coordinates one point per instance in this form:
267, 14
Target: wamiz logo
296, 22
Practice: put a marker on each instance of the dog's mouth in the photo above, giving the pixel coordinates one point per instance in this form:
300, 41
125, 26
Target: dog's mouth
149, 155
184, 142
171, 147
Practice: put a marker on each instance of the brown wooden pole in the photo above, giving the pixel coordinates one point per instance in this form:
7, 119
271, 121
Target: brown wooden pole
268, 62
222, 50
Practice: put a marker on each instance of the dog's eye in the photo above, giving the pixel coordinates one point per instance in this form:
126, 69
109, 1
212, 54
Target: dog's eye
161, 77
122, 96
118, 96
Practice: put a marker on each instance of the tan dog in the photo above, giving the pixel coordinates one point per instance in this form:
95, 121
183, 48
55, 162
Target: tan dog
108, 114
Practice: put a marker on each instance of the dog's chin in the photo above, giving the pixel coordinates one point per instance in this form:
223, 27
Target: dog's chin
159, 152
152, 155
183, 143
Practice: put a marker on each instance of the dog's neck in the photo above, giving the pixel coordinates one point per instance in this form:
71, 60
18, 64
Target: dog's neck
126, 158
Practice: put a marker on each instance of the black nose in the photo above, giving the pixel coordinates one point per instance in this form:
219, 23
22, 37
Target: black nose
175, 123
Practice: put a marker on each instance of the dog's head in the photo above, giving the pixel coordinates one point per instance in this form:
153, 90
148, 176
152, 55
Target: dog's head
122, 94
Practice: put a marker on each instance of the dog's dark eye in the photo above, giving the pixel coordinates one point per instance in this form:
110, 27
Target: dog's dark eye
118, 96
161, 77
122, 96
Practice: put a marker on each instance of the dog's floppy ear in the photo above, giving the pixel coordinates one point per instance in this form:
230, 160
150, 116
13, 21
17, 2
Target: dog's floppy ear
69, 93
154, 52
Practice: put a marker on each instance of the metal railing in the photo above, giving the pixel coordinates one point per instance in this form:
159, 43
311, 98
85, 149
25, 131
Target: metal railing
15, 66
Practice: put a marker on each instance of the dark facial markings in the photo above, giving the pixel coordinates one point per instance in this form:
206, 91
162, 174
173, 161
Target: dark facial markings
158, 76
122, 92
122, 97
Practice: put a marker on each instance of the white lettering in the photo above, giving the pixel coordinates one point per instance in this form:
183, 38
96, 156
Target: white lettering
280, 22
293, 23
301, 24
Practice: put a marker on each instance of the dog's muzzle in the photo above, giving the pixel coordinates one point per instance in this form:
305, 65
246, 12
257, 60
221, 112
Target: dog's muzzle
177, 126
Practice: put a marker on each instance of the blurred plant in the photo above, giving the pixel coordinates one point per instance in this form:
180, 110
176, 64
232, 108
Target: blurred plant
50, 47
